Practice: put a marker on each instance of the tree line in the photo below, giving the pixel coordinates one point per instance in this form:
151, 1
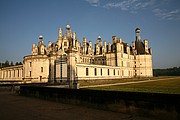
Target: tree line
175, 71
8, 64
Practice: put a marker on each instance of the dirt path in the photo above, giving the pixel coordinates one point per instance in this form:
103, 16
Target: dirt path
126, 83
14, 107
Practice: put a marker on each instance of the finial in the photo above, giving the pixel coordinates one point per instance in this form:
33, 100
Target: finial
68, 26
137, 30
40, 37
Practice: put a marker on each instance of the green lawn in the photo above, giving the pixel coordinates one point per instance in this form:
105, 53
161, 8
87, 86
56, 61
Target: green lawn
171, 86
100, 82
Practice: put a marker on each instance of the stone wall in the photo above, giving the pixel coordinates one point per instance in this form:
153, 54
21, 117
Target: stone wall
162, 106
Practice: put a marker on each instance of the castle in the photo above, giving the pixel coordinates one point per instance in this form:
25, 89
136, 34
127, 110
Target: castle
69, 60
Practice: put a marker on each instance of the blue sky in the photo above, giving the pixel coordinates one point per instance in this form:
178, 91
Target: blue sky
22, 21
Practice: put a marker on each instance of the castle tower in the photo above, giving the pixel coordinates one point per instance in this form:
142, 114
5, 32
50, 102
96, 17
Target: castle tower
60, 38
84, 45
104, 51
41, 45
138, 37
74, 39
146, 46
68, 31
60, 33
114, 39
109, 47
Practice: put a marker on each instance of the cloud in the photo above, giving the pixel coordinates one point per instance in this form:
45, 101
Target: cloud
164, 14
135, 6
94, 3
131, 5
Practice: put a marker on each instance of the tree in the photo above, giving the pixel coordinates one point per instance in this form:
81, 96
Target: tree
11, 63
175, 71
16, 63
6, 64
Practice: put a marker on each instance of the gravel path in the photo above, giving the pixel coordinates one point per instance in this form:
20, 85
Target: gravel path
14, 107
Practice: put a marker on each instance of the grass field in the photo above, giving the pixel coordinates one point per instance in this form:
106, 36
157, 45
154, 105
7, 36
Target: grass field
97, 82
171, 86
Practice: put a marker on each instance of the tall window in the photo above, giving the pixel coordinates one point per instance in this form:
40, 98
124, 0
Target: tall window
41, 69
101, 71
40, 78
30, 64
87, 71
14, 73
9, 73
6, 73
76, 71
95, 71
114, 72
30, 73
18, 72
108, 71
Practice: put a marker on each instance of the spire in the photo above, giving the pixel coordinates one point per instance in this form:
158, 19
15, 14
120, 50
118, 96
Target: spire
68, 31
74, 35
138, 37
60, 32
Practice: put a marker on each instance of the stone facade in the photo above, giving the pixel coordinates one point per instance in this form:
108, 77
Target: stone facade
14, 73
69, 60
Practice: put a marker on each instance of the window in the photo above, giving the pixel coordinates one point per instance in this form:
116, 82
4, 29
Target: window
30, 73
65, 43
122, 63
76, 71
22, 73
9, 73
114, 72
101, 71
103, 61
41, 69
87, 71
95, 71
18, 72
108, 71
40, 78
30, 64
14, 73
6, 73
